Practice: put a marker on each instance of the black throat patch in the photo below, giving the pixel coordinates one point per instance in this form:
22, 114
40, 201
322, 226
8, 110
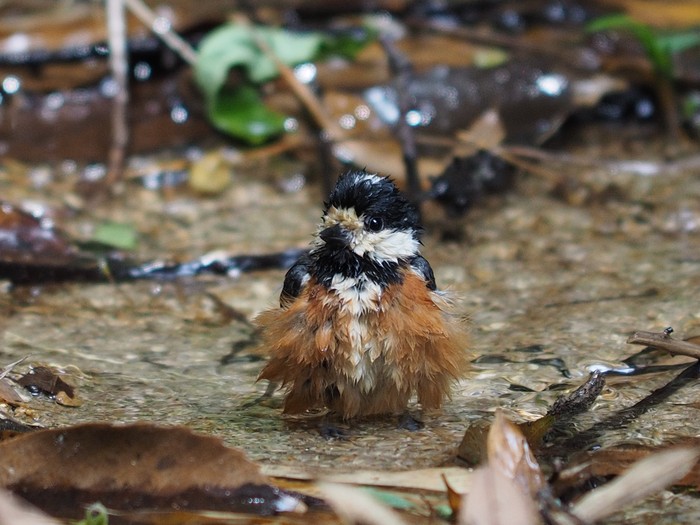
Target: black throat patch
329, 263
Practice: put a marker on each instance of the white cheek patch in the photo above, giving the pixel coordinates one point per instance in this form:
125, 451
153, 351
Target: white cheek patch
386, 245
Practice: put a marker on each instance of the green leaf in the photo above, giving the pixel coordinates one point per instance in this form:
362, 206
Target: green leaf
658, 53
242, 114
117, 235
346, 43
235, 45
677, 42
392, 499
95, 514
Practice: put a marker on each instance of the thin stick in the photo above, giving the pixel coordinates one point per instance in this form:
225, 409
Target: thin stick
400, 66
118, 61
302, 91
663, 341
162, 28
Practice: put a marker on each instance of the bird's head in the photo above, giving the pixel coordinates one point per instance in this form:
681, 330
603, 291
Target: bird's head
367, 215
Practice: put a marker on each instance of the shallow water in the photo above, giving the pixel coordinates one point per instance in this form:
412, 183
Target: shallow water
541, 280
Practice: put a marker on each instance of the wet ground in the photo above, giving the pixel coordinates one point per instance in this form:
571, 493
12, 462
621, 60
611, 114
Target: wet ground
553, 289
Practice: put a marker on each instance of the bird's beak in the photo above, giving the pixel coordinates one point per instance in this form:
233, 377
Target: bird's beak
336, 236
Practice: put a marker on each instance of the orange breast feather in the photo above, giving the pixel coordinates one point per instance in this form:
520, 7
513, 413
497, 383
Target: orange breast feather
413, 343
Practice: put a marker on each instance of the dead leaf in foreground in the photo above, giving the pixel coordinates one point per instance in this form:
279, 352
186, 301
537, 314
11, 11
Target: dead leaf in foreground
496, 499
613, 461
139, 466
509, 453
505, 491
356, 506
13, 511
421, 479
647, 476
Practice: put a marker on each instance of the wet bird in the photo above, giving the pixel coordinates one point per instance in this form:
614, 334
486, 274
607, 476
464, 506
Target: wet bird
361, 327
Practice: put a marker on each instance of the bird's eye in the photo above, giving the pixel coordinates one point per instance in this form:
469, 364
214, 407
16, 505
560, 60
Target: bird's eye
374, 224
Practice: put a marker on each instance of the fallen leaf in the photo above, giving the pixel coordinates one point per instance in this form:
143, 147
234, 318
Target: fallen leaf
421, 479
45, 380
454, 498
496, 499
32, 250
14, 511
509, 453
356, 506
139, 466
613, 461
645, 477
472, 448
8, 394
210, 174
115, 235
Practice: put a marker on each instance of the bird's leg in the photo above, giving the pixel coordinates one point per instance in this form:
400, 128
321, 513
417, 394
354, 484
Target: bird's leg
330, 430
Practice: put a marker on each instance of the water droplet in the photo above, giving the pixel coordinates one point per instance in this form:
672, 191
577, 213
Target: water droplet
11, 84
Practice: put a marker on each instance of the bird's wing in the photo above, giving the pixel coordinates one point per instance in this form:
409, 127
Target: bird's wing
421, 266
295, 279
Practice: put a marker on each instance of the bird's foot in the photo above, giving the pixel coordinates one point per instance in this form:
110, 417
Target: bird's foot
408, 422
332, 431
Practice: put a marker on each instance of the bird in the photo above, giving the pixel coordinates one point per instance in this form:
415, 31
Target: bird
361, 328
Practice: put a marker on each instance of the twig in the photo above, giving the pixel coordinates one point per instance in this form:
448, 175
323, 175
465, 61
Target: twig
8, 368
637, 167
118, 61
401, 68
302, 91
161, 26
663, 341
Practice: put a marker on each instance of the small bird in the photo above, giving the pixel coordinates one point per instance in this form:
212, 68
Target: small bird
361, 327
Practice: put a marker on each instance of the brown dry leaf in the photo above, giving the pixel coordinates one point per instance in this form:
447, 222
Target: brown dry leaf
613, 461
421, 479
8, 394
509, 453
454, 498
661, 13
486, 132
45, 380
15, 511
356, 506
496, 499
32, 251
134, 466
650, 475
472, 449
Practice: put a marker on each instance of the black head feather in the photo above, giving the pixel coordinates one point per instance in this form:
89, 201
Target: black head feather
375, 196
383, 206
